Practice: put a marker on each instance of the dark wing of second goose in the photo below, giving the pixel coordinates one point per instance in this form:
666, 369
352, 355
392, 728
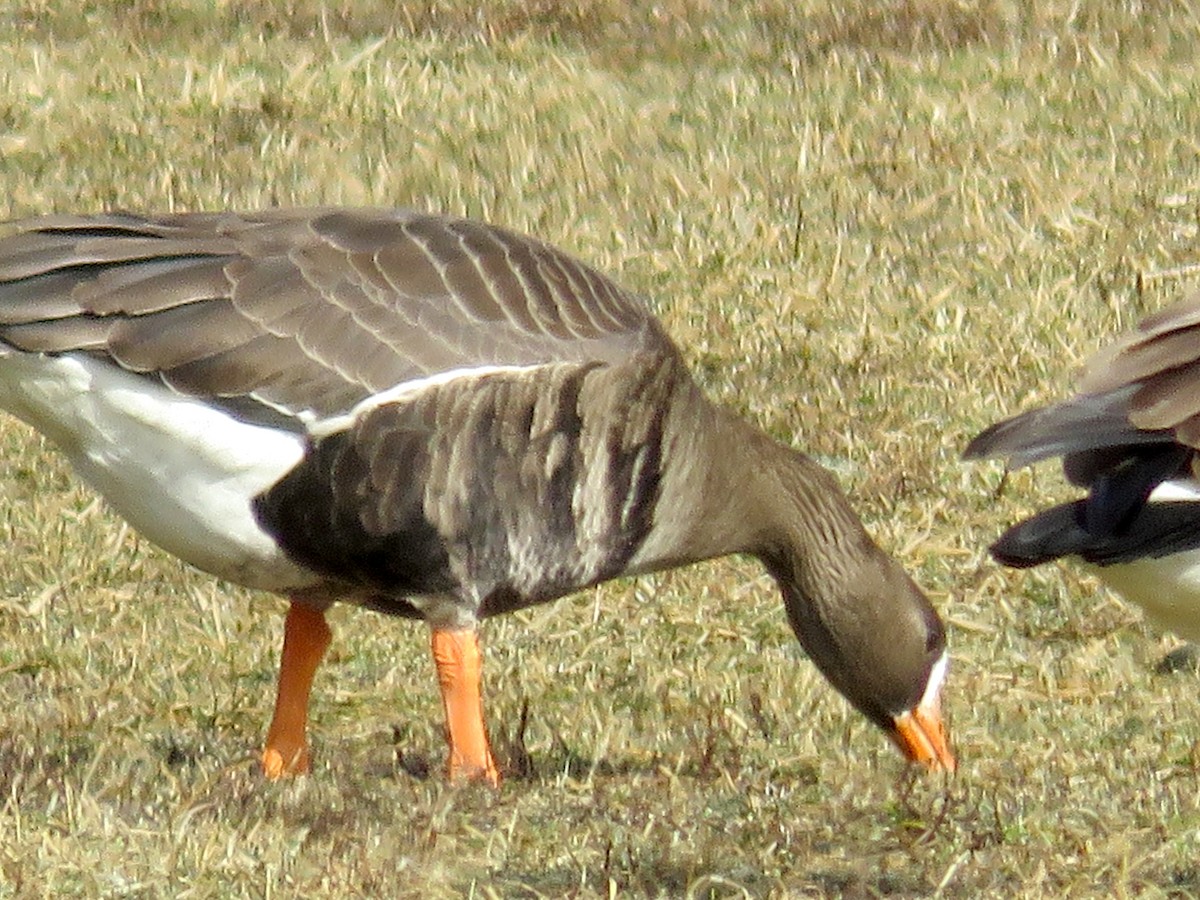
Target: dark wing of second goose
307, 312
1131, 438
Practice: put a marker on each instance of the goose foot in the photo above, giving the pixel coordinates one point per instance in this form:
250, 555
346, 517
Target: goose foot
459, 662
306, 637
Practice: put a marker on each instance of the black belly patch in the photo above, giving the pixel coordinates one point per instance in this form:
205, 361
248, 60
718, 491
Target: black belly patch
352, 509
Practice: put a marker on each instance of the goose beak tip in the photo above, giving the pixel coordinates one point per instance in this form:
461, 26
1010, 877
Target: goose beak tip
921, 736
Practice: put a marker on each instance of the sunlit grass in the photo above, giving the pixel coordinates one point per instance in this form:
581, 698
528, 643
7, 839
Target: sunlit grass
874, 227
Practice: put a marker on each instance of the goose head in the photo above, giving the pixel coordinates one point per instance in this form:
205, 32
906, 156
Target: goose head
858, 615
880, 643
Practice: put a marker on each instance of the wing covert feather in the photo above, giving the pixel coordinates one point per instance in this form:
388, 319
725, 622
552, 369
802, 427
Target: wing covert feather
307, 310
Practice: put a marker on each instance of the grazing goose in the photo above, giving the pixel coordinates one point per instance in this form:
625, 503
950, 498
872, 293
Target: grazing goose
433, 418
1131, 437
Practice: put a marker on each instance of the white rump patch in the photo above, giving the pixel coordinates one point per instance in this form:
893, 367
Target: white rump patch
1176, 491
1166, 587
181, 472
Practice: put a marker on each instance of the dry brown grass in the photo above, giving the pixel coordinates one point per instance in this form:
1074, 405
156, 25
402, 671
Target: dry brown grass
873, 229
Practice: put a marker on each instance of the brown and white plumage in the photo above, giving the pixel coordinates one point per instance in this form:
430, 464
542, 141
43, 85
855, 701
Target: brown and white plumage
432, 417
1131, 437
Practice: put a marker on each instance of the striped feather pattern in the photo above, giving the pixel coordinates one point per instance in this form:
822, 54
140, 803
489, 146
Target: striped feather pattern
566, 466
307, 311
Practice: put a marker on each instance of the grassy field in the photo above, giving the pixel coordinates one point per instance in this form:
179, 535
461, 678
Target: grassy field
873, 231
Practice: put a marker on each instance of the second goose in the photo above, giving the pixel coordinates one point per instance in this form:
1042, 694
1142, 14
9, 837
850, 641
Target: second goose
1131, 438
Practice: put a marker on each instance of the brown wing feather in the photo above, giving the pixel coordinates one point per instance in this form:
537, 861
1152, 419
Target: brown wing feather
1162, 357
1139, 357
1135, 396
307, 309
1166, 398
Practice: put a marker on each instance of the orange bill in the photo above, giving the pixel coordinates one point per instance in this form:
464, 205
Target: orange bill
459, 664
920, 732
921, 735
306, 637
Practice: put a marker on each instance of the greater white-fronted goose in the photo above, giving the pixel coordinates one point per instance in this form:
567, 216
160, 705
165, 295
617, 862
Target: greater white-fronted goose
1130, 437
433, 418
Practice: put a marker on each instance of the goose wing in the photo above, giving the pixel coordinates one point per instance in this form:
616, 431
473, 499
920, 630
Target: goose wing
1159, 362
306, 312
1135, 396
1134, 425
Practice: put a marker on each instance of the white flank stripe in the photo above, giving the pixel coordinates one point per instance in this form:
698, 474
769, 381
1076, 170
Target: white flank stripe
406, 389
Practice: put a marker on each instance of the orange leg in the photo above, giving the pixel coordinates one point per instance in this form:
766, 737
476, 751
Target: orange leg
306, 637
460, 670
